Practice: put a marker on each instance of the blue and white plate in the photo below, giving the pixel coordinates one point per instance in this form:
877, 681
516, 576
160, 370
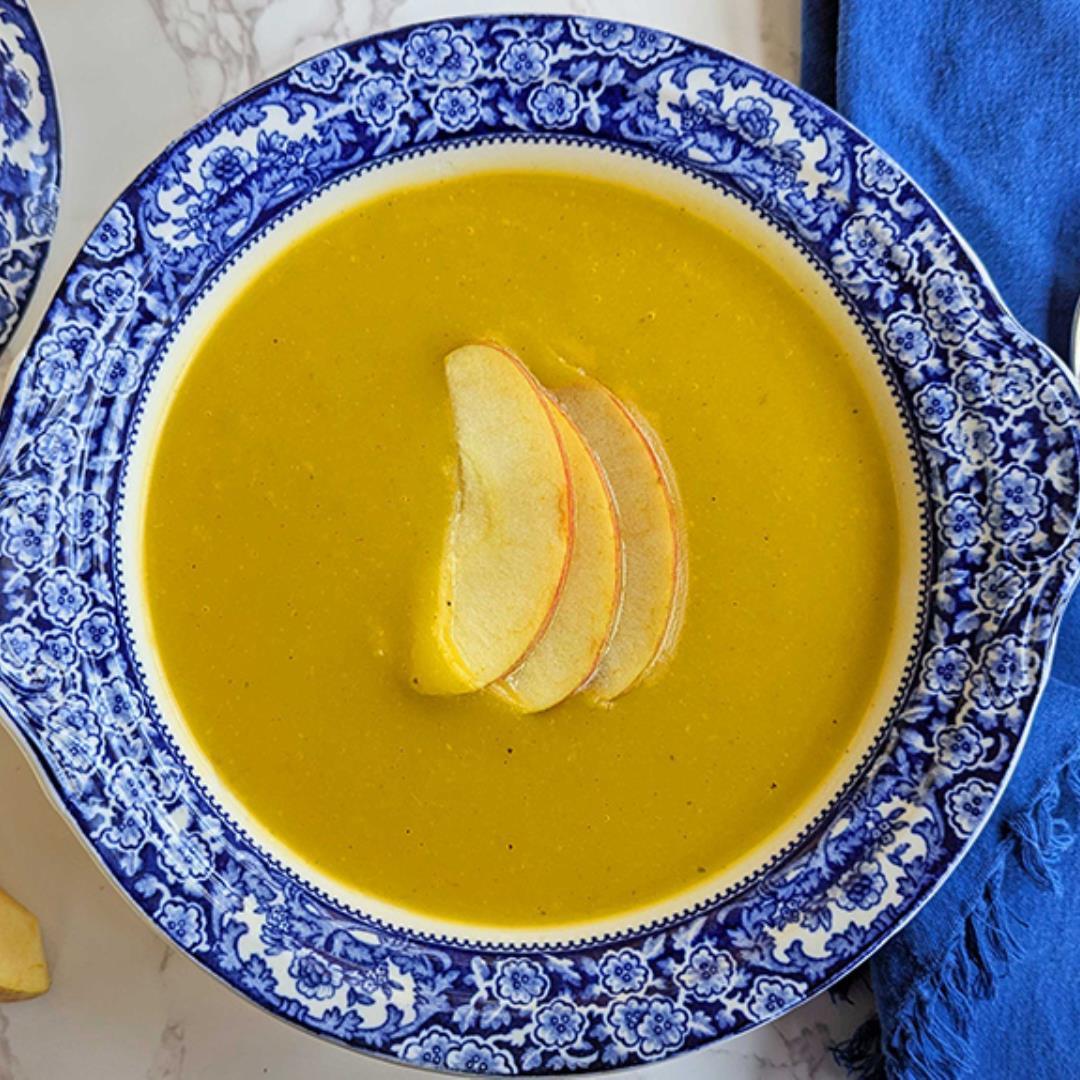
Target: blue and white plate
29, 161
981, 418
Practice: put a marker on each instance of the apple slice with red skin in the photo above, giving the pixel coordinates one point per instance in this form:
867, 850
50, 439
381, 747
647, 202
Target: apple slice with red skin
566, 655
508, 548
651, 531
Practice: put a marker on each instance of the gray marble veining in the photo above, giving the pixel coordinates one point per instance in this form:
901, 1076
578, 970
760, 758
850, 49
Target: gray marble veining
168, 1063
9, 1064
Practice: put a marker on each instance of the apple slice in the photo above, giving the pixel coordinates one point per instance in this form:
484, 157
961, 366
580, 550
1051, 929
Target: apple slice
565, 657
650, 528
507, 551
23, 971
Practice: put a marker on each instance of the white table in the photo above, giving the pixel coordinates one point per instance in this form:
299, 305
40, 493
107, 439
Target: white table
131, 76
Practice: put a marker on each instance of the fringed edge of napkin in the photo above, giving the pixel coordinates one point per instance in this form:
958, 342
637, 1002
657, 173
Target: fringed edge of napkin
929, 1036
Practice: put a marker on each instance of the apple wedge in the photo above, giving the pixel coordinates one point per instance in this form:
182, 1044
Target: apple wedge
650, 528
566, 655
508, 547
23, 971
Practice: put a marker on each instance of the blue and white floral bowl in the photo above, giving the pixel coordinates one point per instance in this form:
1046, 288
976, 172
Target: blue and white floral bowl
986, 416
29, 161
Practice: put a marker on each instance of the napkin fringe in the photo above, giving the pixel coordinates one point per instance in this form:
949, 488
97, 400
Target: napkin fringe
929, 1036
860, 1056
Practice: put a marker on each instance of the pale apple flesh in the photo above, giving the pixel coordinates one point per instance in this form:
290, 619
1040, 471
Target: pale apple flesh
508, 547
647, 506
567, 654
23, 971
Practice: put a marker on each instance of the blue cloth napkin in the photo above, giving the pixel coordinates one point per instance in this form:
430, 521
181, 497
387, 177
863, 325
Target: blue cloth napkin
979, 100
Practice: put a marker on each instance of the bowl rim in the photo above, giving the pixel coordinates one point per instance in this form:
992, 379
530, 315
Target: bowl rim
28, 235
684, 966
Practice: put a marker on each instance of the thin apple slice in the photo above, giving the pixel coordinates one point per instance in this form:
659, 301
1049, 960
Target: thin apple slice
567, 654
23, 971
646, 501
509, 544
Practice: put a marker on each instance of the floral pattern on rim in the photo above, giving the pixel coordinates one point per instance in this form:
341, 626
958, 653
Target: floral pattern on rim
990, 412
29, 161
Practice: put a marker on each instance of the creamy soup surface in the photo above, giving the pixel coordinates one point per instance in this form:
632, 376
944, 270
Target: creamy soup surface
301, 487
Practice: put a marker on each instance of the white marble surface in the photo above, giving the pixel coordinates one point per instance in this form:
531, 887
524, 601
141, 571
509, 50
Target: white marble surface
132, 75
